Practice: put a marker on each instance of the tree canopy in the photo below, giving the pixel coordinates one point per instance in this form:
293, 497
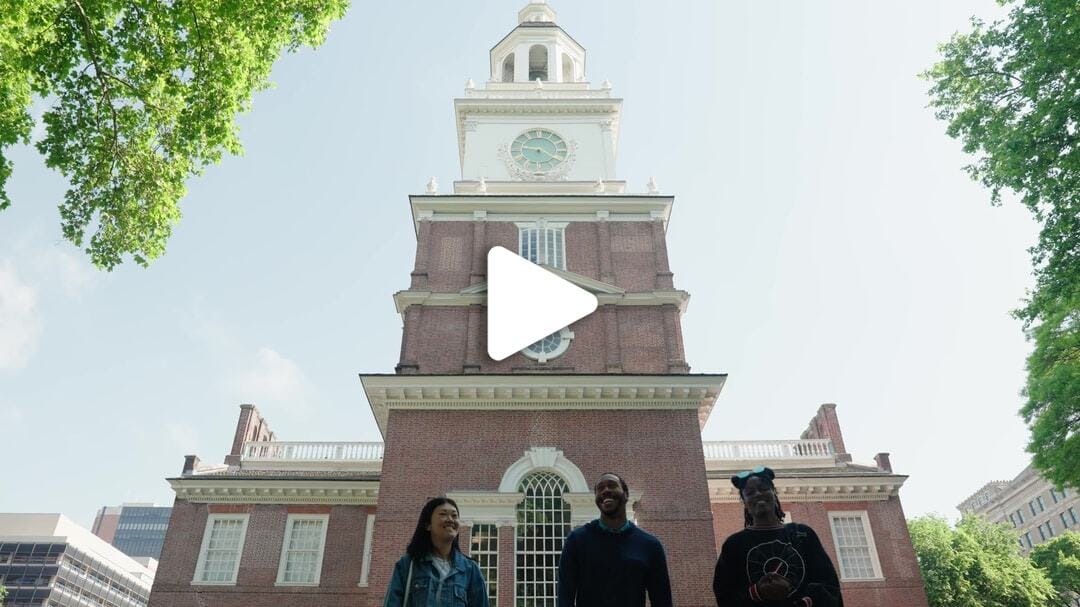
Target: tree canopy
1010, 91
976, 564
143, 94
1060, 559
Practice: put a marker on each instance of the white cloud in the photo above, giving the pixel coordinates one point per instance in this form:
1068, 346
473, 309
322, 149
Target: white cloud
272, 377
20, 324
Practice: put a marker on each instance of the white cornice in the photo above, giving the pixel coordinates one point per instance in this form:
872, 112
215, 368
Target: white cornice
522, 207
404, 299
260, 491
532, 392
464, 108
819, 489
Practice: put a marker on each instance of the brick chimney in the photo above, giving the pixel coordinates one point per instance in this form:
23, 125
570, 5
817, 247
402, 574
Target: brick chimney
191, 464
883, 463
825, 424
249, 427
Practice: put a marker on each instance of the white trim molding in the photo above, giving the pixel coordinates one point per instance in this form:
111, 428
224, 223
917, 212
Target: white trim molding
864, 518
290, 520
540, 393
365, 563
530, 207
208, 490
544, 458
200, 565
852, 488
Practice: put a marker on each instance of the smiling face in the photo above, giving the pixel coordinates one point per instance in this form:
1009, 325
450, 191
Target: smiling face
759, 497
444, 524
610, 496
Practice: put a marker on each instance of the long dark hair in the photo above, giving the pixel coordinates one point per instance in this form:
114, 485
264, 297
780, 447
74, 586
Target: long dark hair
420, 545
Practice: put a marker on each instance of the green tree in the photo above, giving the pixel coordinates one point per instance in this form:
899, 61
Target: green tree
1060, 559
976, 564
143, 94
1010, 91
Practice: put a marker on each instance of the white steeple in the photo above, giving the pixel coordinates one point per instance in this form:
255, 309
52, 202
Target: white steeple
537, 125
537, 49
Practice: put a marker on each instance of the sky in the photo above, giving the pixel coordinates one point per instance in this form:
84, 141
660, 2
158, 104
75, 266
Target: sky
834, 249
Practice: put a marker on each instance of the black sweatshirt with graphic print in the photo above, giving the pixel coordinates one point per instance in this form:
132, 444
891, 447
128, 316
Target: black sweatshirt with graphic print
792, 551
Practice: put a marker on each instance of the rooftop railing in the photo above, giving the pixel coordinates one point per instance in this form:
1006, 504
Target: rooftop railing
303, 452
769, 450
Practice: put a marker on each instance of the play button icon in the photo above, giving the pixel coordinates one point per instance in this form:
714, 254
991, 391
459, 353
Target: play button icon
526, 303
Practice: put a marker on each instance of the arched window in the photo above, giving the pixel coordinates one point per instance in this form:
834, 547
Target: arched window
508, 68
538, 62
568, 69
543, 523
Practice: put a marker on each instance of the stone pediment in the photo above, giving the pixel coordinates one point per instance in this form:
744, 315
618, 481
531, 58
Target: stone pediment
591, 285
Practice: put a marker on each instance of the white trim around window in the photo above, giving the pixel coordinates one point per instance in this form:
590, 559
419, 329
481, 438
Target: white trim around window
365, 563
857, 556
221, 551
302, 550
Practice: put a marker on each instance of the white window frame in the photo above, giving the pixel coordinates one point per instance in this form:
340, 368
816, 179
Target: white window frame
875, 563
289, 520
542, 225
365, 563
201, 563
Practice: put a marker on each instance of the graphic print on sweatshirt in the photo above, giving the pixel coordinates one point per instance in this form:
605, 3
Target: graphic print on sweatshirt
776, 557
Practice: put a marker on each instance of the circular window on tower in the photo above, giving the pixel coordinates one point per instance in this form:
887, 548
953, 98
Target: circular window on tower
550, 347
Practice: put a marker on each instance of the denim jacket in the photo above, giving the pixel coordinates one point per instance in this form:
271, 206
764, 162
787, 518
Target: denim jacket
462, 587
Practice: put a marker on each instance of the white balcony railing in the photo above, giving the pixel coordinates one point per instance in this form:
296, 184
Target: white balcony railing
310, 452
769, 450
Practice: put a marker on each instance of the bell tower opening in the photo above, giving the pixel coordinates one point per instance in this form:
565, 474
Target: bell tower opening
538, 63
508, 68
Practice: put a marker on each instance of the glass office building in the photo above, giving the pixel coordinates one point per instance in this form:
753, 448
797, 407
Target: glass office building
46, 560
140, 531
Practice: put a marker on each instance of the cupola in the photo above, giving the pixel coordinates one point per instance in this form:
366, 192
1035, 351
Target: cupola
537, 49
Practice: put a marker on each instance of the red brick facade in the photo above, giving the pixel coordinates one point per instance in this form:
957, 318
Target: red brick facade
619, 399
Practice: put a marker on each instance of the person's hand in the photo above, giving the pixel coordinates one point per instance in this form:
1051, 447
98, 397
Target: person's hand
773, 587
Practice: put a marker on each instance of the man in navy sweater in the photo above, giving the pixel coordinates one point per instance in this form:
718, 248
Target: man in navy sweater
610, 561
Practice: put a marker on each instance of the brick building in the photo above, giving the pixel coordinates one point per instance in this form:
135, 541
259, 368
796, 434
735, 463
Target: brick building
521, 439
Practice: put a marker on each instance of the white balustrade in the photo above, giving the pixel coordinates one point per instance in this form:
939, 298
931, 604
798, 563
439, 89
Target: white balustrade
282, 451
768, 449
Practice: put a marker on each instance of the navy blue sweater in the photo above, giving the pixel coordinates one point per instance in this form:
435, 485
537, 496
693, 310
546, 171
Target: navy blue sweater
600, 568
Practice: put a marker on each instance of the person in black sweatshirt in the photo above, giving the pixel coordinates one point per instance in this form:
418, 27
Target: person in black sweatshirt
610, 562
769, 563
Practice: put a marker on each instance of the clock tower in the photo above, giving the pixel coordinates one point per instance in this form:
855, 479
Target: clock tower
519, 442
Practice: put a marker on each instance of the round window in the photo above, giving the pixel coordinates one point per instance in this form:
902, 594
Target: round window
552, 346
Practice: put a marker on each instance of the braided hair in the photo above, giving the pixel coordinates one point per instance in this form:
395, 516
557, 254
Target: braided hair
766, 475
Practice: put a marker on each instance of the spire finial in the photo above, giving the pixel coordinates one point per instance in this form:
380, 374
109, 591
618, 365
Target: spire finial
432, 185
652, 186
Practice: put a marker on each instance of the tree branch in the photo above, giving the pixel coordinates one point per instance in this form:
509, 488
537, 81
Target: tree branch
100, 74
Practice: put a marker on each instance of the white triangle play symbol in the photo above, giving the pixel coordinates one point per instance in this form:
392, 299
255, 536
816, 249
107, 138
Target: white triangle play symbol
526, 303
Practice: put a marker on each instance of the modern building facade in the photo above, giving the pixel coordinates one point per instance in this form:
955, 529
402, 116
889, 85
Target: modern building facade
47, 560
136, 529
518, 442
1031, 504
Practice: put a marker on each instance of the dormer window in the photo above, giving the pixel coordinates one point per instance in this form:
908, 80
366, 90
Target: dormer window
543, 242
538, 63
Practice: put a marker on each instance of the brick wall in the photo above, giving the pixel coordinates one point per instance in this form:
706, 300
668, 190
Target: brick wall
659, 453
623, 339
903, 584
342, 559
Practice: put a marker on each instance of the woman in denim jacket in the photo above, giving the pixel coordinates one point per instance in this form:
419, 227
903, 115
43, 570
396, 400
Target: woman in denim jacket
433, 572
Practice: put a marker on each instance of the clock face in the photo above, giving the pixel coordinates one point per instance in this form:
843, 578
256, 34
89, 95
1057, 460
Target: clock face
538, 151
